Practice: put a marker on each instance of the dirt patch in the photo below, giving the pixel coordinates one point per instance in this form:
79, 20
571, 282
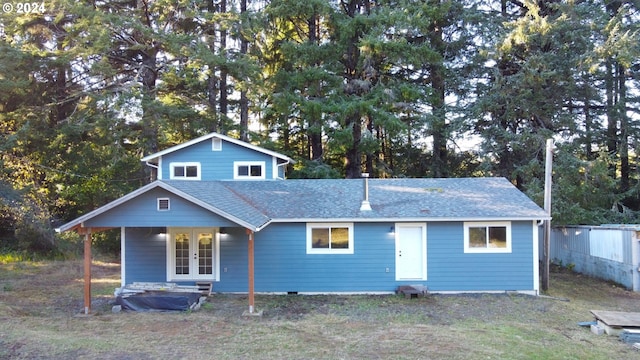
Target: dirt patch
40, 305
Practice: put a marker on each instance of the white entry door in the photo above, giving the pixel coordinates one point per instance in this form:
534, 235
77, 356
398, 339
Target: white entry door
411, 251
192, 254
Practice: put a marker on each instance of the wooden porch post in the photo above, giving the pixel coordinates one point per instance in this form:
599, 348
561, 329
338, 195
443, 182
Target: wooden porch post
251, 271
87, 271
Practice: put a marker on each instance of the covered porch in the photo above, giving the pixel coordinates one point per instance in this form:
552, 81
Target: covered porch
192, 257
169, 235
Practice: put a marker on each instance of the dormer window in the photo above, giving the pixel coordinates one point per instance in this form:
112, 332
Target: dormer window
248, 170
185, 171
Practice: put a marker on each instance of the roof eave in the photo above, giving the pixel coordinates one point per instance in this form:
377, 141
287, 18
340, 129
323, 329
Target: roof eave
408, 219
159, 154
79, 222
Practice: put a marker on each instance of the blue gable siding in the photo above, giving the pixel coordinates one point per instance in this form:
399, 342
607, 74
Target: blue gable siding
450, 269
145, 255
142, 211
216, 165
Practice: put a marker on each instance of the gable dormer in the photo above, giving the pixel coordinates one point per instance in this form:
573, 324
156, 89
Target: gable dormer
218, 157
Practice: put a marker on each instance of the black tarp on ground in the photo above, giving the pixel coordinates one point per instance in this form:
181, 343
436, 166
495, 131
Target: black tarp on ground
158, 301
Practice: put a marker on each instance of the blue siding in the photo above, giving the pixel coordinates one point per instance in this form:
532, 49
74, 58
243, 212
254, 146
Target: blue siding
450, 269
216, 165
282, 264
142, 211
233, 259
145, 255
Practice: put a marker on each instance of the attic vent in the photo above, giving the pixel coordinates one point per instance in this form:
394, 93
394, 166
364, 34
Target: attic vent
216, 144
163, 204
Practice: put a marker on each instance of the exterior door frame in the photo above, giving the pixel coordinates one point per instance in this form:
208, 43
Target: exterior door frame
421, 257
193, 261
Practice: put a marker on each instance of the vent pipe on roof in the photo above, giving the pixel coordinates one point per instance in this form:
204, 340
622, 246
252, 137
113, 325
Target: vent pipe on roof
365, 206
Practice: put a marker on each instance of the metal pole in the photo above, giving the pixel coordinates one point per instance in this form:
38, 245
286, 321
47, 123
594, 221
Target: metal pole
547, 208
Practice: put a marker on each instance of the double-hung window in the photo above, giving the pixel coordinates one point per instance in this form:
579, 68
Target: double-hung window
185, 171
330, 238
489, 237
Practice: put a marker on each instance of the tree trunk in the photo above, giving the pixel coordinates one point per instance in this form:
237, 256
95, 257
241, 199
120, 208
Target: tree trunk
353, 121
244, 101
212, 81
625, 169
224, 100
612, 120
353, 164
314, 132
439, 124
148, 75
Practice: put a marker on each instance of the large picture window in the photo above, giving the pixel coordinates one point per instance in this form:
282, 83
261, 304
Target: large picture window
333, 238
487, 237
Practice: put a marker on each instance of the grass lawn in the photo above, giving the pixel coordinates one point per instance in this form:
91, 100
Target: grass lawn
40, 303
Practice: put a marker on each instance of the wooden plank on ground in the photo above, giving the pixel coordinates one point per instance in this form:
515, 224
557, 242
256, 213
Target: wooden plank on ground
618, 318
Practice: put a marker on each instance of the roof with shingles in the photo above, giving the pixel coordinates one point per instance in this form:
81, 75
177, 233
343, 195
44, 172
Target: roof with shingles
255, 204
396, 199
219, 196
153, 157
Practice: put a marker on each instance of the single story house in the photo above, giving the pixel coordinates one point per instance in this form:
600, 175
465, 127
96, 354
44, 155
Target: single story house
222, 211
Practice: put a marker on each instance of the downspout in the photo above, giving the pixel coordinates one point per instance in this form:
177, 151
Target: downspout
284, 173
154, 166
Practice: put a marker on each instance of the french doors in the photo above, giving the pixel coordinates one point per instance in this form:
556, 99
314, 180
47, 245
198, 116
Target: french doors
192, 254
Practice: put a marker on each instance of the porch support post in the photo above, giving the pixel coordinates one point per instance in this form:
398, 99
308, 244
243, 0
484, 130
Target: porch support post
87, 271
251, 270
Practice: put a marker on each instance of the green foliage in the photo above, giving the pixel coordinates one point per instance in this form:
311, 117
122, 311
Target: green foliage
310, 169
106, 242
26, 224
390, 88
584, 193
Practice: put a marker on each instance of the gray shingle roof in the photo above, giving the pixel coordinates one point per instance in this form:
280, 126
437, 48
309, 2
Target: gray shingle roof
390, 199
255, 204
218, 196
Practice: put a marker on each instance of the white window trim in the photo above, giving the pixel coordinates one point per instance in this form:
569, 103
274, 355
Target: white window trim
237, 164
159, 200
474, 250
173, 165
171, 259
311, 250
216, 144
